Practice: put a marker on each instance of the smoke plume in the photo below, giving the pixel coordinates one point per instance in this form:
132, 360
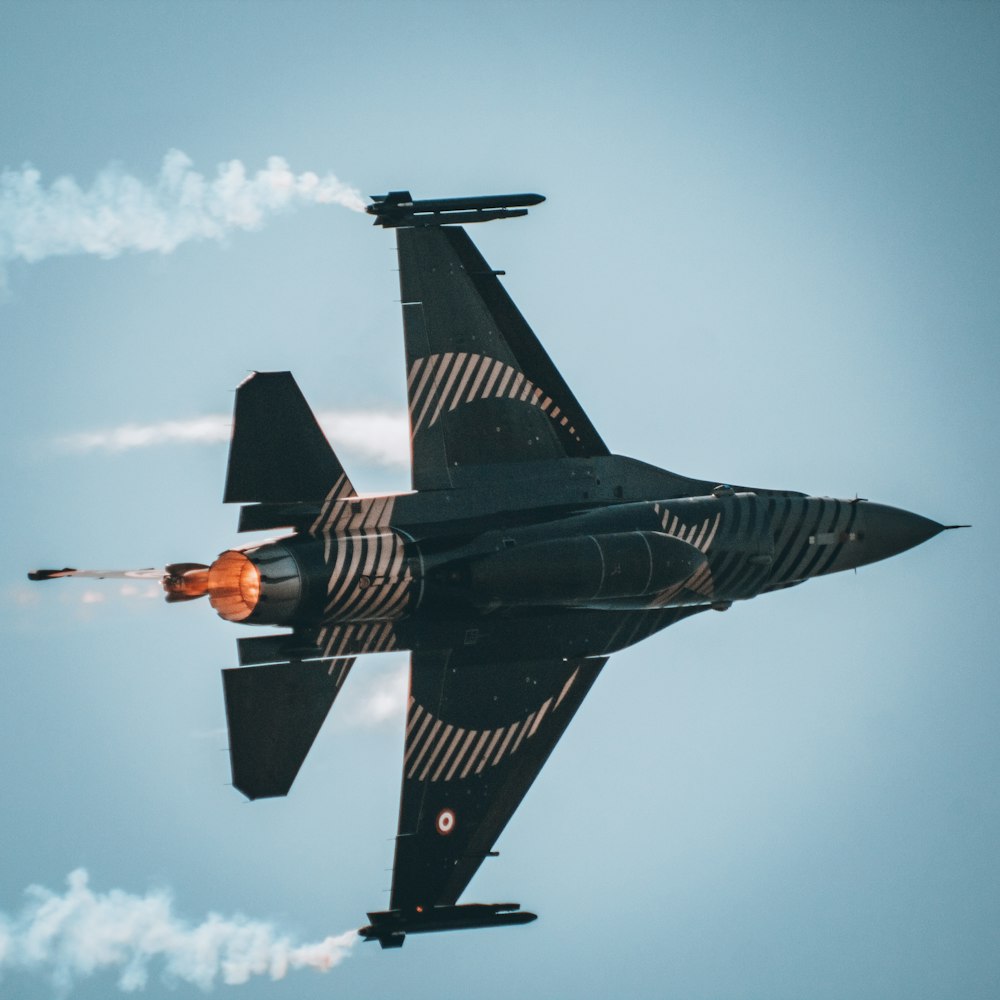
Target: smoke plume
80, 933
120, 212
374, 696
374, 435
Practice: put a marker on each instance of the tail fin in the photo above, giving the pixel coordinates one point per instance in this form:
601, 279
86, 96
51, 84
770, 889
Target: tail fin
274, 714
279, 453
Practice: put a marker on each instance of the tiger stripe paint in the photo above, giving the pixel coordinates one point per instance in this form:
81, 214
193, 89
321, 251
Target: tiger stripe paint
369, 578
435, 750
462, 378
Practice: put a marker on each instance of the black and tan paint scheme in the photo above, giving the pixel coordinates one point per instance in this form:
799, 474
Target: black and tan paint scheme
526, 555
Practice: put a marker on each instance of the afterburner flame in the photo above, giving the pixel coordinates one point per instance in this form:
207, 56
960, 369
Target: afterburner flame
185, 581
233, 586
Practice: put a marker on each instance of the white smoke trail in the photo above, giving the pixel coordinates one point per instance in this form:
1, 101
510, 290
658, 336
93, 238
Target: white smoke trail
378, 436
373, 699
198, 430
120, 212
80, 933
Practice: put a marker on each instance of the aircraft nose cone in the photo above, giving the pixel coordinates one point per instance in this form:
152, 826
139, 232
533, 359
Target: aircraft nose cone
889, 531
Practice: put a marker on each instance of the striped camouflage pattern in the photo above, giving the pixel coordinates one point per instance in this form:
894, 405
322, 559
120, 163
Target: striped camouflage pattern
700, 534
369, 578
752, 544
358, 637
439, 751
755, 544
440, 383
809, 535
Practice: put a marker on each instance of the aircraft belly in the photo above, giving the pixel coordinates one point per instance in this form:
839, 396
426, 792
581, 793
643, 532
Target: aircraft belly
494, 637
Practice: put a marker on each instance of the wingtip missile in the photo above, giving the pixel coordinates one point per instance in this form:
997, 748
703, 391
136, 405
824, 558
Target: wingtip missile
397, 208
390, 927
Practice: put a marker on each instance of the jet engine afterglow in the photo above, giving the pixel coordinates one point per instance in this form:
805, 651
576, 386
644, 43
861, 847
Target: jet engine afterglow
261, 585
233, 586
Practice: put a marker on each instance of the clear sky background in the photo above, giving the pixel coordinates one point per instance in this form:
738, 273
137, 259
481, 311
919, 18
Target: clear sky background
769, 256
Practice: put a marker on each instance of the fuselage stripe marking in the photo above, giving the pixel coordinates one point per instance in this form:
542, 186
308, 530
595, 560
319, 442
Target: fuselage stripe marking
470, 736
426, 744
459, 733
416, 739
484, 367
506, 742
414, 370
460, 370
475, 753
415, 712
539, 717
415, 398
496, 369
489, 750
566, 687
439, 744
521, 735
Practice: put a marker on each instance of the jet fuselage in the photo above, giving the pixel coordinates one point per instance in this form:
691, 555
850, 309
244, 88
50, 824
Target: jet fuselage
362, 562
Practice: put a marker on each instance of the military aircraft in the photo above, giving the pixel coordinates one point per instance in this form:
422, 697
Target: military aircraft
525, 556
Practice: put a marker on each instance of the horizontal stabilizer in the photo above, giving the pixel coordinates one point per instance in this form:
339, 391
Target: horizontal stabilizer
275, 713
390, 927
397, 208
279, 453
279, 647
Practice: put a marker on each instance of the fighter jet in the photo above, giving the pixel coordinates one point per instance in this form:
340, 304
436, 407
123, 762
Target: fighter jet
525, 556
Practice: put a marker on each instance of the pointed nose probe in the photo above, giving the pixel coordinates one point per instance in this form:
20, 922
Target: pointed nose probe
881, 531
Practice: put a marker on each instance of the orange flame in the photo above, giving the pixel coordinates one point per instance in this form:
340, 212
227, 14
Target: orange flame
233, 586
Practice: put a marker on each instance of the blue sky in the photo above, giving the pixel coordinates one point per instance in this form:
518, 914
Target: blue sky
769, 255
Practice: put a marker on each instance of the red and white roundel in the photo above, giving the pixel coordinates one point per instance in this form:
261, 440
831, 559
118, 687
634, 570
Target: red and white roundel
445, 822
